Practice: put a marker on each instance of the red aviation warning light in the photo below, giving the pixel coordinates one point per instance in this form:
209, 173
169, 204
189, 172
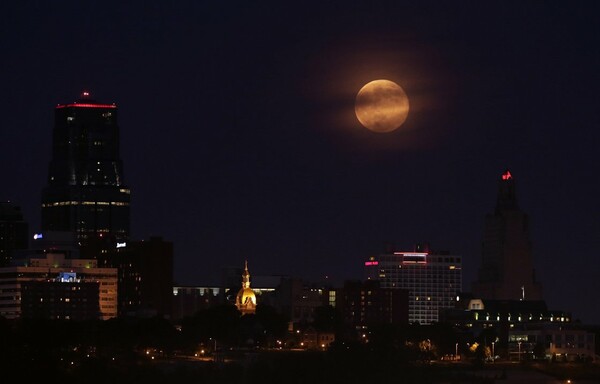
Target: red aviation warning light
506, 175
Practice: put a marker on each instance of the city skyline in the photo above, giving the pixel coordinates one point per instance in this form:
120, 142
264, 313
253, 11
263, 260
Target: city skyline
239, 140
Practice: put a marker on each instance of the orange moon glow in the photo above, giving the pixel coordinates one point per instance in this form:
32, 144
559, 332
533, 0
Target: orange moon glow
381, 106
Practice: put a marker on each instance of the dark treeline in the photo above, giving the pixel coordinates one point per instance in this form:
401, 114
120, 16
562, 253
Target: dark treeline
255, 348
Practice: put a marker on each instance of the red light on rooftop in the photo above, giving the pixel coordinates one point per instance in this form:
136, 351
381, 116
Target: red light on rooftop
369, 263
78, 105
506, 176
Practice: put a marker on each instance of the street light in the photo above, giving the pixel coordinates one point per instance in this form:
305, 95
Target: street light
456, 351
519, 350
214, 348
493, 352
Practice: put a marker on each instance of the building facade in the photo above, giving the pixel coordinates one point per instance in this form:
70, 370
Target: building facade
53, 286
64, 298
14, 232
364, 304
557, 343
507, 271
189, 300
85, 193
298, 299
145, 276
433, 280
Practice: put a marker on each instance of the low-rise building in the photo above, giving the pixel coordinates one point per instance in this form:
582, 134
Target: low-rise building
559, 343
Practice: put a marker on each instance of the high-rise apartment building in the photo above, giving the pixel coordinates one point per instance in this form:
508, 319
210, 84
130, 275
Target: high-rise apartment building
506, 271
433, 280
85, 193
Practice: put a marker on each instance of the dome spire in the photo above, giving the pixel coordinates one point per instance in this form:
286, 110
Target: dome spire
246, 276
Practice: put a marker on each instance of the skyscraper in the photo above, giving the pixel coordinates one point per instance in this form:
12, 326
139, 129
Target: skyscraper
85, 193
506, 271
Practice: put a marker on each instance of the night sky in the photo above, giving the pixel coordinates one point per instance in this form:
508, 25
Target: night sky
239, 138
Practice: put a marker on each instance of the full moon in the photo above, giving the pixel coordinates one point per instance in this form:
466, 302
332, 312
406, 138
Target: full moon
381, 106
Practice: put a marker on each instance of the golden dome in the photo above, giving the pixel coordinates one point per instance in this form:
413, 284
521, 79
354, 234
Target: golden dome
244, 295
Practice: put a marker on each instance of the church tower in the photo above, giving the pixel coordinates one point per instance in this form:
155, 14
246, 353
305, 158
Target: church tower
245, 301
507, 271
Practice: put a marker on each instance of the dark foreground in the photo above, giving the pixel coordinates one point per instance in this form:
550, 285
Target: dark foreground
292, 367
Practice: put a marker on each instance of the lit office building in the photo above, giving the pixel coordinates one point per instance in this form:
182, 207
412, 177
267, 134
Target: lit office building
432, 279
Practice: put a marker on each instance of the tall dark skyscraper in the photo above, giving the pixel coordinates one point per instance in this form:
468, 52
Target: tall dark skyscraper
506, 271
85, 192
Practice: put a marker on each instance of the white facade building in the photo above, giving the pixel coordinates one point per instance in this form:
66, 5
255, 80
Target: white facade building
53, 268
433, 280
